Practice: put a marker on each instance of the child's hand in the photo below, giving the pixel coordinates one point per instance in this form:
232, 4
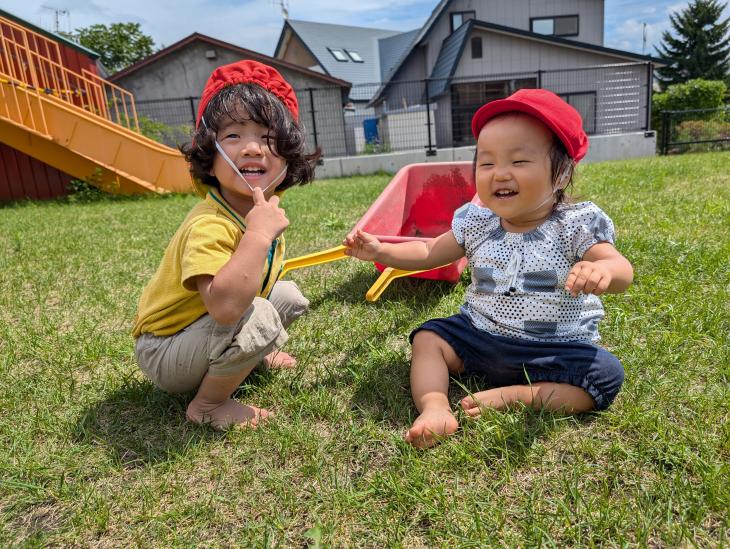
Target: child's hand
588, 277
266, 217
361, 245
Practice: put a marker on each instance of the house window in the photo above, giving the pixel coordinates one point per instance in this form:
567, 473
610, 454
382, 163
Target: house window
338, 54
563, 25
476, 47
356, 57
458, 18
468, 97
585, 104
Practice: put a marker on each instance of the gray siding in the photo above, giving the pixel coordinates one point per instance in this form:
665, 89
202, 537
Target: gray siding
517, 14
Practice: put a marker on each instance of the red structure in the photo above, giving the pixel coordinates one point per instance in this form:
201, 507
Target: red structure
22, 176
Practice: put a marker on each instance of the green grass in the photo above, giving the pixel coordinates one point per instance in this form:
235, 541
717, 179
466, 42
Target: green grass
92, 455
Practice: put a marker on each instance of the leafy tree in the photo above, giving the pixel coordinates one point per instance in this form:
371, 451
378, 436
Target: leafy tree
119, 44
700, 47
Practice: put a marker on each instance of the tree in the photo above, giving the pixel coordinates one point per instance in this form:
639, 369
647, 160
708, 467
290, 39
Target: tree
700, 47
119, 44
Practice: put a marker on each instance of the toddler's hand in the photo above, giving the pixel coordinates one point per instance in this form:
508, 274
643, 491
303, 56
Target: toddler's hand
588, 277
266, 217
361, 245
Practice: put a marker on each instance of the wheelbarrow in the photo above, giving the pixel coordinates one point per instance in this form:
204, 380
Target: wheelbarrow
418, 204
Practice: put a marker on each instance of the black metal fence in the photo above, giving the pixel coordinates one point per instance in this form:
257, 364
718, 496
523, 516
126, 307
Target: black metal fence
694, 130
435, 113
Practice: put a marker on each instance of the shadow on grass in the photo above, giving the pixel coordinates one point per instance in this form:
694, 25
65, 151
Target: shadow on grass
140, 425
354, 288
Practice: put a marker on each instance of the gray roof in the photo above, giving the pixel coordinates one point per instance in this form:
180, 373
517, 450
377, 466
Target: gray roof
318, 37
447, 61
391, 50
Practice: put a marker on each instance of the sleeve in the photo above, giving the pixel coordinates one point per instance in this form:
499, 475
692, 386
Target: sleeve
591, 226
209, 245
458, 223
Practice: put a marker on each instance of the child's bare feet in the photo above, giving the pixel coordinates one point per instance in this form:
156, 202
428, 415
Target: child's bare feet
280, 360
222, 415
492, 398
432, 424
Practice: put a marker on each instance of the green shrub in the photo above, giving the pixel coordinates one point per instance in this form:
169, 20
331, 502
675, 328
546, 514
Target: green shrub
693, 94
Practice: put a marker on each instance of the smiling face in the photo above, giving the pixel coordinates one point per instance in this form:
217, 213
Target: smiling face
513, 171
251, 148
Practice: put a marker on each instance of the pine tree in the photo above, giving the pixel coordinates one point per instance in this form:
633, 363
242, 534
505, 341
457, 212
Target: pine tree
700, 47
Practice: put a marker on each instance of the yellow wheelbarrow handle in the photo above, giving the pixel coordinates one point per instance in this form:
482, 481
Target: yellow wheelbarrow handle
325, 256
388, 275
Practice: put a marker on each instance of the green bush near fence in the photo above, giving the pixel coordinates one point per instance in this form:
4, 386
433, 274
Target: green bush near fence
693, 94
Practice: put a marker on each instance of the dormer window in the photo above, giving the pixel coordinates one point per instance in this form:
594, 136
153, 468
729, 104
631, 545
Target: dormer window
563, 25
458, 18
338, 54
356, 57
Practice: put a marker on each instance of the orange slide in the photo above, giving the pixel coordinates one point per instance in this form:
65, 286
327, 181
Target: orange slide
78, 123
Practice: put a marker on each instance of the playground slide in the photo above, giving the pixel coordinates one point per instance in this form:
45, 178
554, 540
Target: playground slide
87, 146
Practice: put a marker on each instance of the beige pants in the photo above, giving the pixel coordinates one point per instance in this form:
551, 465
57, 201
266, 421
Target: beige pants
177, 363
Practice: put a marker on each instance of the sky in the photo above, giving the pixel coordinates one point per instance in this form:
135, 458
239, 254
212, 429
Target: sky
256, 24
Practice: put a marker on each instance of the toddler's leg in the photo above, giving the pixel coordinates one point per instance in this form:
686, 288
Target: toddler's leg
290, 304
431, 363
212, 403
540, 395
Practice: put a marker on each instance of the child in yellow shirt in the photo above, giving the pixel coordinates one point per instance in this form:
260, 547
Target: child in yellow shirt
214, 309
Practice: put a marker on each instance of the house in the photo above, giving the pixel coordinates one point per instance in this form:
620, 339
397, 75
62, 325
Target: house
472, 51
168, 84
29, 54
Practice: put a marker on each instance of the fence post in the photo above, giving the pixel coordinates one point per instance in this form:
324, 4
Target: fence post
430, 151
649, 90
314, 118
192, 109
539, 78
665, 132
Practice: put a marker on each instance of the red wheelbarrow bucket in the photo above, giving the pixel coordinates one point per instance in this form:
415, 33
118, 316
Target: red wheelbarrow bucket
418, 204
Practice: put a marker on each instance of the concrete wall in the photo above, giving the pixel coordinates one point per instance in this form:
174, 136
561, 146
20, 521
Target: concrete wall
602, 148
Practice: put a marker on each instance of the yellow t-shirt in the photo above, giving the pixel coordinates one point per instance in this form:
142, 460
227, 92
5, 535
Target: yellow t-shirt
201, 246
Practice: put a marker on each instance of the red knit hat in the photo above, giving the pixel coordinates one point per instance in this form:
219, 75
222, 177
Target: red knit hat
245, 72
556, 114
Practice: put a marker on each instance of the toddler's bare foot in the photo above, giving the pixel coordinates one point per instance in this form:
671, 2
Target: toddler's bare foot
280, 360
432, 424
223, 415
492, 398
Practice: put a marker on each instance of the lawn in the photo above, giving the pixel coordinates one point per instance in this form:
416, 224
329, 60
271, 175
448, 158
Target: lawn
92, 455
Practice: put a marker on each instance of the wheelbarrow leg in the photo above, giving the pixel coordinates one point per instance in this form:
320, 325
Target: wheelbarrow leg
388, 275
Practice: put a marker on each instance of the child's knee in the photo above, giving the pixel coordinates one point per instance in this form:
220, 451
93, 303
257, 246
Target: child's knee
288, 301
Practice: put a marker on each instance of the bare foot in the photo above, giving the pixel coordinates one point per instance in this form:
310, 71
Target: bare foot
492, 398
432, 424
280, 360
229, 413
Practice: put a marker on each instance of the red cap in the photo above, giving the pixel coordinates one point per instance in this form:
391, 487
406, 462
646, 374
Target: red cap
556, 114
245, 72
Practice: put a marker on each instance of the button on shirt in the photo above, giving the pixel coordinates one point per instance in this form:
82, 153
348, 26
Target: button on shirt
518, 279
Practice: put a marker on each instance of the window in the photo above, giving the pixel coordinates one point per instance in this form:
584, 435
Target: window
585, 104
356, 57
458, 18
563, 25
476, 47
338, 54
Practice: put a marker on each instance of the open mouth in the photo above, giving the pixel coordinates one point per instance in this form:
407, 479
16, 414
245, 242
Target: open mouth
505, 193
252, 171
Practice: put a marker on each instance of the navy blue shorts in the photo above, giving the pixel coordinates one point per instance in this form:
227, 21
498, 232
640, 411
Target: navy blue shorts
504, 361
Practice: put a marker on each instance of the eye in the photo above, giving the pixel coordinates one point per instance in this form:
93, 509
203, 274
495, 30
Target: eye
486, 165
520, 162
231, 136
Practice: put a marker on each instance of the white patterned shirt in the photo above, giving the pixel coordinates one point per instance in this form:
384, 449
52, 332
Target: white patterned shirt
518, 279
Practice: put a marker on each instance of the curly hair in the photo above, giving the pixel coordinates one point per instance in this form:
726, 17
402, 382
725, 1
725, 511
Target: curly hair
244, 102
